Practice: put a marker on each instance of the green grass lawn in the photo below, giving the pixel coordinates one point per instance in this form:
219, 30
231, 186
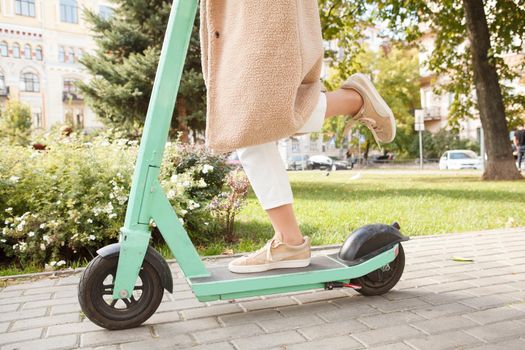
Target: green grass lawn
328, 208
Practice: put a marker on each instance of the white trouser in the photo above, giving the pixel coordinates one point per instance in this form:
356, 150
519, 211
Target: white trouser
266, 169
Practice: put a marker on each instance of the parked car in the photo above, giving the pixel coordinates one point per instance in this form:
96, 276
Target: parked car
341, 164
319, 161
297, 162
459, 159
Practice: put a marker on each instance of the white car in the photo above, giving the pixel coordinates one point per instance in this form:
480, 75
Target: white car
459, 159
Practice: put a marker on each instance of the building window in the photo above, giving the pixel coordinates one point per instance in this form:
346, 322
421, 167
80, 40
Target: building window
3, 49
295, 145
30, 82
71, 56
68, 11
61, 55
80, 54
38, 53
27, 52
105, 12
16, 50
71, 92
25, 7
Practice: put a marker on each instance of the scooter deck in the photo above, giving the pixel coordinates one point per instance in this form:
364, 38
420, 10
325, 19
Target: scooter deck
223, 284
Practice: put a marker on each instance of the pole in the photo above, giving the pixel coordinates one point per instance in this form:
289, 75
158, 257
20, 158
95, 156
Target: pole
420, 150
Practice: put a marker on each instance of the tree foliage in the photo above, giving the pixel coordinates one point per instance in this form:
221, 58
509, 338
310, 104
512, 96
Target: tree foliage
125, 62
15, 123
451, 56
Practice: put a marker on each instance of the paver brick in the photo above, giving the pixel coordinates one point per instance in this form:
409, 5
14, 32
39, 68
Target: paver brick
395, 346
21, 315
307, 309
514, 344
12, 337
443, 324
25, 298
4, 326
249, 317
50, 302
281, 324
65, 309
55, 343
46, 321
332, 329
449, 340
104, 337
495, 315
320, 296
399, 305
431, 312
342, 342
227, 333
168, 329
389, 320
73, 328
214, 310
387, 334
9, 307
268, 340
505, 329
489, 301
175, 341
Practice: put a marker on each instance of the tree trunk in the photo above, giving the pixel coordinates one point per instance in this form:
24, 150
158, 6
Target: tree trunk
500, 162
182, 114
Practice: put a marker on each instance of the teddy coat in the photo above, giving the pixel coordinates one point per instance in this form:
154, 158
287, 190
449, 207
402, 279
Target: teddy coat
261, 62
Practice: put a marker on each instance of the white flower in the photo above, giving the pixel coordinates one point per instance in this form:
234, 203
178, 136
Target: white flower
112, 215
173, 178
42, 226
92, 237
192, 204
42, 246
170, 194
206, 223
186, 183
45, 238
183, 211
207, 168
181, 220
15, 246
2, 240
53, 263
89, 221
61, 262
202, 183
9, 210
14, 179
23, 246
30, 234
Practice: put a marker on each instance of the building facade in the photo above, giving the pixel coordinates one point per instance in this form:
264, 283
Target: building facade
436, 107
41, 43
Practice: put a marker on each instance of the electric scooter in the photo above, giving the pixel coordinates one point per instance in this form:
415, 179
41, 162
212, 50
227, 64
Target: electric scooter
124, 285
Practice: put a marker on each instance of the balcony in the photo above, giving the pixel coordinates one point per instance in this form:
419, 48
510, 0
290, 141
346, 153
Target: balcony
71, 96
432, 113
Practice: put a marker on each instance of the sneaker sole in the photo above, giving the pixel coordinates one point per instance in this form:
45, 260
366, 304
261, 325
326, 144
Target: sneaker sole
265, 267
371, 91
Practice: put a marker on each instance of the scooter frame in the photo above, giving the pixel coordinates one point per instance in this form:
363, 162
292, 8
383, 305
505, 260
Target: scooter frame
148, 202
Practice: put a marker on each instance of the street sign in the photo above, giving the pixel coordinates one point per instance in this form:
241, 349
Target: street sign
419, 124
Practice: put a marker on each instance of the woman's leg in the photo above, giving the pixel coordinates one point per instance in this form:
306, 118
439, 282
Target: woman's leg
339, 102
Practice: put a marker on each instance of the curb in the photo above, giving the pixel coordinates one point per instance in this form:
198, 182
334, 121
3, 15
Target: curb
68, 272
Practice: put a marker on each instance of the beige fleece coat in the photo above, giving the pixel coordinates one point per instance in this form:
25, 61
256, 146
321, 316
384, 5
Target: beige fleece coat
261, 61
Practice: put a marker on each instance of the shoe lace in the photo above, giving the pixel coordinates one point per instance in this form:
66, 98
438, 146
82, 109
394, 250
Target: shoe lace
268, 247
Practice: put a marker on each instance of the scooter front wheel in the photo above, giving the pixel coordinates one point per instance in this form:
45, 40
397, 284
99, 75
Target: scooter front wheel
95, 292
380, 281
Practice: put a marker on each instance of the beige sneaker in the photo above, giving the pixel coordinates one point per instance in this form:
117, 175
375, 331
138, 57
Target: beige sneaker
274, 255
375, 113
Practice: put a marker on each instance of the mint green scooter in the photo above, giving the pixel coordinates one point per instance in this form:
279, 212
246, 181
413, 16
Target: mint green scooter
124, 285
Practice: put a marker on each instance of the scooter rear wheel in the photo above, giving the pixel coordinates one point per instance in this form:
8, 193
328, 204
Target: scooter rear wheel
95, 292
380, 281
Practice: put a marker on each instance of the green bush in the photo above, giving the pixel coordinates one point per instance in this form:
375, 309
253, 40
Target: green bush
434, 145
15, 123
65, 202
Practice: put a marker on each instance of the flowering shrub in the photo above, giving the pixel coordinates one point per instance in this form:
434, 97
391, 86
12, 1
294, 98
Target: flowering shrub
226, 205
63, 203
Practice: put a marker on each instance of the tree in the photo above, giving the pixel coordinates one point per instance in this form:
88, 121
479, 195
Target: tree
15, 123
493, 29
124, 66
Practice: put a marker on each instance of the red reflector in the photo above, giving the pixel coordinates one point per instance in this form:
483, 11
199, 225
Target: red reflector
396, 251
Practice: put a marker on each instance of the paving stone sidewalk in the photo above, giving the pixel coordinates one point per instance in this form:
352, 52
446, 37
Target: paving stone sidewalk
438, 304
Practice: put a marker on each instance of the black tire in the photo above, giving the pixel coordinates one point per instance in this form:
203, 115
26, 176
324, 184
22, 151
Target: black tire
97, 304
380, 282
